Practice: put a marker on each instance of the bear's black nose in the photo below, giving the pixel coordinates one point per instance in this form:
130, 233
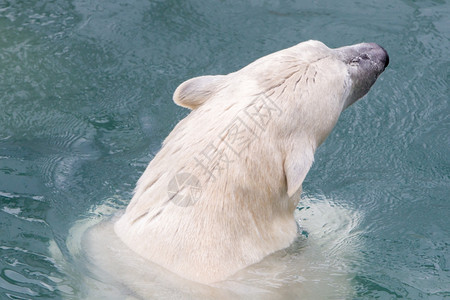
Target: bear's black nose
386, 57
377, 53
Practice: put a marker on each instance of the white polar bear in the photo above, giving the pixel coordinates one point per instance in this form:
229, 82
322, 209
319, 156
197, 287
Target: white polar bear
221, 193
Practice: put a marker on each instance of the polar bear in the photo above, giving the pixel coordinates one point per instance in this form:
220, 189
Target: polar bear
221, 193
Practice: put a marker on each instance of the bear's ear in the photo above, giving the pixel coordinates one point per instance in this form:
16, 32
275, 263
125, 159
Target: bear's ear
296, 166
196, 91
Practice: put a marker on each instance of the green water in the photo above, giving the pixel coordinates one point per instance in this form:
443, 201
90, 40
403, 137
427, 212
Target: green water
85, 102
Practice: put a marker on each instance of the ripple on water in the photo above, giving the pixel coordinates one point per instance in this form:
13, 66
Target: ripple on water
86, 86
25, 272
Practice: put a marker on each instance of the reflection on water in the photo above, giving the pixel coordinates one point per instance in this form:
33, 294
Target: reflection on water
85, 97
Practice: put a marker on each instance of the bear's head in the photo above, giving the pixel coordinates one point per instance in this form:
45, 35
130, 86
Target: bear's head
309, 83
308, 77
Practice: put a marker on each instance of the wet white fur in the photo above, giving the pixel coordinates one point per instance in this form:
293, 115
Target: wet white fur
245, 212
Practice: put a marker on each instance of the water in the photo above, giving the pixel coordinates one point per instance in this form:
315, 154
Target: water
85, 97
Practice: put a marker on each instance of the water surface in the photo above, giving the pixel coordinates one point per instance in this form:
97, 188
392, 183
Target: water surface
85, 97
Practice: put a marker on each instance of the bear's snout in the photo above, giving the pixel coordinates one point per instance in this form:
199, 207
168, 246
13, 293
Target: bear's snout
375, 53
368, 56
366, 61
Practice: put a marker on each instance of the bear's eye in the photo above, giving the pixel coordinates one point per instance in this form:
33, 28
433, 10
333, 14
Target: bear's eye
355, 61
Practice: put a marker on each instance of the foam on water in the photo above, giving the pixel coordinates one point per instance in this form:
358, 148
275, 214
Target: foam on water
317, 265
